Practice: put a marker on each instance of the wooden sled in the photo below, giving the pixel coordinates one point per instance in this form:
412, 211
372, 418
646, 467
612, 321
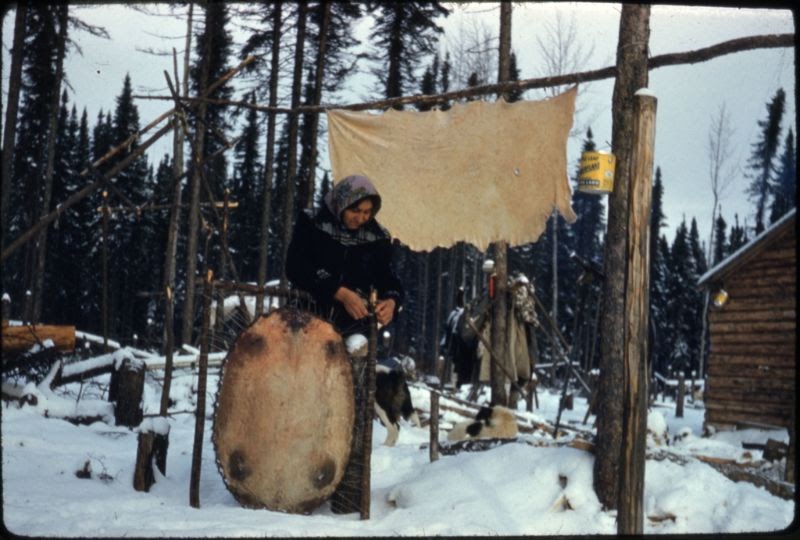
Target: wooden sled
284, 413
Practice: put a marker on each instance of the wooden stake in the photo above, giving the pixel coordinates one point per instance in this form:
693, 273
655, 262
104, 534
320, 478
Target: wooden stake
434, 426
370, 407
200, 413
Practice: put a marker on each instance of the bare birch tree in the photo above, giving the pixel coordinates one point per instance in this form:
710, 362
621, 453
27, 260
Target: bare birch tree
720, 175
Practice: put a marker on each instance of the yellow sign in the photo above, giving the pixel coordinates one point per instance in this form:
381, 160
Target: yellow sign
596, 174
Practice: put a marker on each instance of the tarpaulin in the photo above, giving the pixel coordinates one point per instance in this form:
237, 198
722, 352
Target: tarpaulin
479, 172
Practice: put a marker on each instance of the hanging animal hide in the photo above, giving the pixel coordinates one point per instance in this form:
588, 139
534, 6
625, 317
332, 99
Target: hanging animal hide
479, 172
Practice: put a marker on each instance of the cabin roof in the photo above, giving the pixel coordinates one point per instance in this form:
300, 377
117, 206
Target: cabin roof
752, 248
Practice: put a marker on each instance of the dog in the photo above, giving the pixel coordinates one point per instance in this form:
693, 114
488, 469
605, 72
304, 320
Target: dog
490, 423
392, 399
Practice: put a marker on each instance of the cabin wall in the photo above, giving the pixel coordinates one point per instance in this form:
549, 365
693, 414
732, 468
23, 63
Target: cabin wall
751, 366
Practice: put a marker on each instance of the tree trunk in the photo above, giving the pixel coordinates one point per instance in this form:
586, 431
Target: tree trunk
194, 197
104, 263
500, 249
291, 176
318, 78
634, 33
52, 128
12, 106
174, 225
266, 202
637, 286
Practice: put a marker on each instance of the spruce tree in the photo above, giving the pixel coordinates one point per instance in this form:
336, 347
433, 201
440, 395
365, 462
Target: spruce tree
720, 242
659, 258
30, 152
246, 190
763, 154
699, 267
63, 266
216, 121
126, 243
784, 186
679, 312
591, 215
513, 70
738, 236
661, 352
403, 34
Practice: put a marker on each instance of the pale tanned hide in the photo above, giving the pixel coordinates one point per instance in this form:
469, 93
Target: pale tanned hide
284, 414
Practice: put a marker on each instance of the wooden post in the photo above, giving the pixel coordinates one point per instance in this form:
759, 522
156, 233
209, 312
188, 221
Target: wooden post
200, 412
152, 446
220, 316
434, 426
126, 390
680, 394
105, 272
370, 406
630, 519
500, 249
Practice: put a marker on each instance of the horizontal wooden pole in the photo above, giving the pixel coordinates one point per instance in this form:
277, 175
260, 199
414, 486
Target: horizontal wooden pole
767, 41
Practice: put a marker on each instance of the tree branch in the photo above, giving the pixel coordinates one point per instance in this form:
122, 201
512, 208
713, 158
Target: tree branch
769, 41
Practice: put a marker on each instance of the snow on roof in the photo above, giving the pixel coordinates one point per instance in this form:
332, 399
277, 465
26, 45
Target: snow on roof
730, 260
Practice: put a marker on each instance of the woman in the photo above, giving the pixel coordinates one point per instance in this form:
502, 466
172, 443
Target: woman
340, 253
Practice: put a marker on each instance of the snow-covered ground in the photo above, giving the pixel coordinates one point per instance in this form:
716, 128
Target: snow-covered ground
513, 489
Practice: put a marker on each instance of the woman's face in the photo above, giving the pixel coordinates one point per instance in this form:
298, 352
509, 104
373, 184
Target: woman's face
355, 216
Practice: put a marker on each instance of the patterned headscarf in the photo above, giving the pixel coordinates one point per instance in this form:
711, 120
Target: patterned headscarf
349, 191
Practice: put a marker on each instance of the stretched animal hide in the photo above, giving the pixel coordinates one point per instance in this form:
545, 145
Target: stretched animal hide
479, 172
283, 419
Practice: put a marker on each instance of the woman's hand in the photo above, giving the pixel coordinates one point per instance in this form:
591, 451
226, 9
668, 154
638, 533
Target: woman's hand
384, 311
352, 302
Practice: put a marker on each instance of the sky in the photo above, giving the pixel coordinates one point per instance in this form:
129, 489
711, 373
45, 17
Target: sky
688, 96
529, 487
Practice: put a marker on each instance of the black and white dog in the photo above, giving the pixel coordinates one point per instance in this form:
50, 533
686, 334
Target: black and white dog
392, 398
490, 423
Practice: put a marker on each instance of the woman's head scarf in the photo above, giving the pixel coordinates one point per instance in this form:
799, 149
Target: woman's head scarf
349, 191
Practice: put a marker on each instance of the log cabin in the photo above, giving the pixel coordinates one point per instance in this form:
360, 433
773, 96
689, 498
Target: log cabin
752, 332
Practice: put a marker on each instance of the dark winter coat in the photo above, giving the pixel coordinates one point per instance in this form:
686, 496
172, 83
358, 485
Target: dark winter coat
323, 255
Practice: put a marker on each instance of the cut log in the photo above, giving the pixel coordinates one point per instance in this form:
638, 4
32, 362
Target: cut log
127, 383
18, 339
153, 442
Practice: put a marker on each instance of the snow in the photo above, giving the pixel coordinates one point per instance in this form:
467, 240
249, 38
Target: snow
356, 343
645, 92
527, 487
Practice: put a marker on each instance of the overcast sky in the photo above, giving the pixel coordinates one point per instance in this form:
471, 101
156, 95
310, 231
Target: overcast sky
688, 96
